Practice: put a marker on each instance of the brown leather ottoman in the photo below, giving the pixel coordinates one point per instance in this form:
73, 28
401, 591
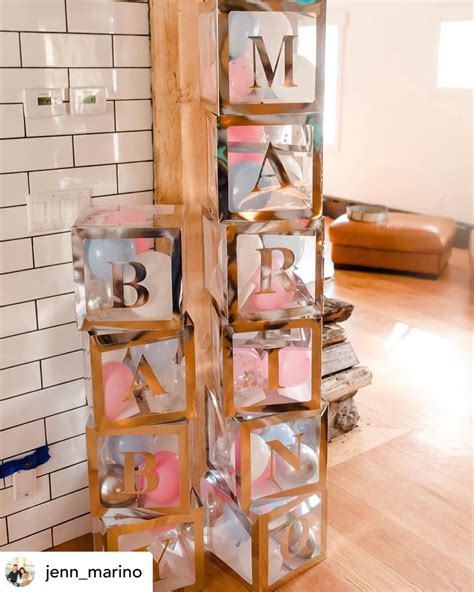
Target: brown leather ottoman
404, 242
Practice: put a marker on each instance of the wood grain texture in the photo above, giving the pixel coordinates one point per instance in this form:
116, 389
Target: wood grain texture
179, 125
333, 333
338, 357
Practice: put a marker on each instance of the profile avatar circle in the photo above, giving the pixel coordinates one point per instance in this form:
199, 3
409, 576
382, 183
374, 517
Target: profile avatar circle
19, 572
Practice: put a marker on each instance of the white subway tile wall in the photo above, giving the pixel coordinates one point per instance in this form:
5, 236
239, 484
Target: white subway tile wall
101, 180
69, 530
18, 318
121, 83
9, 50
13, 189
19, 380
133, 115
59, 44
15, 255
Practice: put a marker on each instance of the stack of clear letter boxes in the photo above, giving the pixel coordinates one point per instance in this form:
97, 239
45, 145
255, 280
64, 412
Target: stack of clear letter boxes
139, 347
262, 82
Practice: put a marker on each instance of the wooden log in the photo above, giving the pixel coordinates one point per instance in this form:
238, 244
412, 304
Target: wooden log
343, 417
333, 334
343, 385
336, 311
338, 357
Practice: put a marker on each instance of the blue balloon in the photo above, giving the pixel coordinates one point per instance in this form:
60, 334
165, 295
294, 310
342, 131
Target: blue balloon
281, 432
243, 176
117, 445
98, 253
235, 525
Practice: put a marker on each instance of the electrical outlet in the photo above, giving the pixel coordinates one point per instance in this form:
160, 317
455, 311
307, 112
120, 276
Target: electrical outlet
55, 211
24, 484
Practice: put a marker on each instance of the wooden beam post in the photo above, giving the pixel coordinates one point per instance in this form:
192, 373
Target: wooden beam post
180, 156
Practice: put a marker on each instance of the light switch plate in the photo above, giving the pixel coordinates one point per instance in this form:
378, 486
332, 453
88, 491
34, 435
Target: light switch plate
24, 484
55, 211
44, 102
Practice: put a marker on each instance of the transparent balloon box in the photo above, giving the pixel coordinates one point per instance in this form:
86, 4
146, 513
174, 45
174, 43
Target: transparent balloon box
145, 467
267, 366
128, 267
267, 456
271, 543
175, 541
141, 377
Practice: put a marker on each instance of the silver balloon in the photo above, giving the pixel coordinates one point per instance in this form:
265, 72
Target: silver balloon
112, 486
306, 471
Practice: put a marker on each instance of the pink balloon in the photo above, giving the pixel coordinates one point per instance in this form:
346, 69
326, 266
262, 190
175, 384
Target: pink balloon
167, 470
240, 78
279, 298
130, 217
294, 365
252, 134
117, 379
248, 369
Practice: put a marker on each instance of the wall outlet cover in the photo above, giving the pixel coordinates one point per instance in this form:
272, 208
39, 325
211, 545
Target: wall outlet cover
24, 484
55, 211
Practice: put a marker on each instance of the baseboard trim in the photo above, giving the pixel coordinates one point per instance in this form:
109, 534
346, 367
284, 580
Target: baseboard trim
336, 206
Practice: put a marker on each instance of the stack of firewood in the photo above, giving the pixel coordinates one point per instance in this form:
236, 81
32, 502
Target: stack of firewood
342, 375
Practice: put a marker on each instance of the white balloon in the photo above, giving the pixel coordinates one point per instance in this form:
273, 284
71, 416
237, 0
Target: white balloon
248, 257
304, 77
158, 283
159, 355
222, 543
259, 456
294, 243
180, 563
244, 563
275, 561
273, 26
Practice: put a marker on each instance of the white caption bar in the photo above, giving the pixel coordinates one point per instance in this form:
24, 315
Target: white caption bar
76, 572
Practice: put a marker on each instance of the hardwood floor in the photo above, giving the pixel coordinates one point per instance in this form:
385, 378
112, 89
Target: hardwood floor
400, 486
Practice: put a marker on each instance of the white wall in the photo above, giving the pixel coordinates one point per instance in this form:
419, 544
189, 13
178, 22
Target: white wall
402, 143
42, 396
